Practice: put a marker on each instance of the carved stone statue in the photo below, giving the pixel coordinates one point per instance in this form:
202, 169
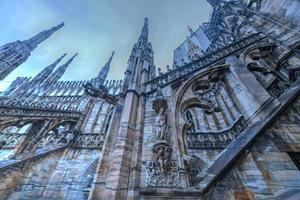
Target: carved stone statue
161, 171
163, 157
161, 125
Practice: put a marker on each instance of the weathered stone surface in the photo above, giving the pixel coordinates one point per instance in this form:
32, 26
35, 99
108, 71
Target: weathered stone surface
222, 123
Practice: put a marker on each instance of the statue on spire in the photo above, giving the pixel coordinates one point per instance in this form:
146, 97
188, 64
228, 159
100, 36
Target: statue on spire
145, 31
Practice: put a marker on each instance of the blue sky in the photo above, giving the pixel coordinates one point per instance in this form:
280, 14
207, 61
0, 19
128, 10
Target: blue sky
95, 28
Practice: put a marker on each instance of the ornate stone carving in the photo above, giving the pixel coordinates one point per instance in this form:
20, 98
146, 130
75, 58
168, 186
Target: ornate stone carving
33, 112
161, 125
162, 172
162, 155
210, 57
55, 138
100, 92
205, 91
10, 140
155, 179
89, 141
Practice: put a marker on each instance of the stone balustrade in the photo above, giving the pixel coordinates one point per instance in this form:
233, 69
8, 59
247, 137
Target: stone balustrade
27, 112
219, 139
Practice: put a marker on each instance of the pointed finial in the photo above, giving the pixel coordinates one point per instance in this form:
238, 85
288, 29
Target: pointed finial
60, 25
59, 59
100, 79
146, 21
111, 57
144, 34
71, 59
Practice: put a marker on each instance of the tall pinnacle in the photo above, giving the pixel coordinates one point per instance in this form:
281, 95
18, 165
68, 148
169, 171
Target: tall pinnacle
43, 75
145, 31
40, 37
30, 86
15, 53
57, 74
100, 79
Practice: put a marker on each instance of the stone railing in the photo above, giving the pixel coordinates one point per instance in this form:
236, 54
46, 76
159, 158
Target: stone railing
34, 112
219, 139
201, 63
58, 103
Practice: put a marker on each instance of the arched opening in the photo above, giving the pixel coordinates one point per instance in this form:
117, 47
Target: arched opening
207, 119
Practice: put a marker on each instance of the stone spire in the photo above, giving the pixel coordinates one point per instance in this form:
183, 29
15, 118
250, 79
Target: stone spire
14, 54
34, 41
31, 85
57, 74
45, 73
141, 60
100, 79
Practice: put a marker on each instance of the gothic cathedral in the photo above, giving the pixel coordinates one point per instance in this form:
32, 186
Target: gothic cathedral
221, 123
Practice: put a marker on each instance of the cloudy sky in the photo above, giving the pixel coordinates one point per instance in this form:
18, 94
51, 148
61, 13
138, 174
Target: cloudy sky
95, 28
